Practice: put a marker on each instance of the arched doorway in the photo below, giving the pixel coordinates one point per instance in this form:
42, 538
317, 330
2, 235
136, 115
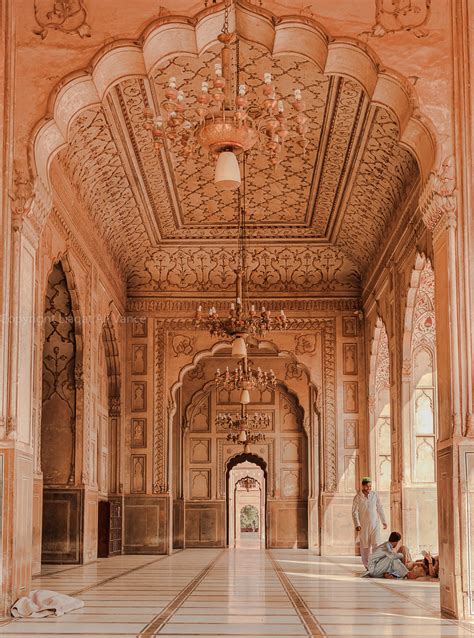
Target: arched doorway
206, 450
246, 481
419, 412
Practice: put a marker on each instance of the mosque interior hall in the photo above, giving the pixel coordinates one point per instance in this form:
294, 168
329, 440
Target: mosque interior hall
236, 290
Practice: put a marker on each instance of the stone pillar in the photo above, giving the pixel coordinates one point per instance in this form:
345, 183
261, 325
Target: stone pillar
455, 454
16, 438
446, 205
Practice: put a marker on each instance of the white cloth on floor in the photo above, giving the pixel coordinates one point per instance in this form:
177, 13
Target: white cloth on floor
44, 602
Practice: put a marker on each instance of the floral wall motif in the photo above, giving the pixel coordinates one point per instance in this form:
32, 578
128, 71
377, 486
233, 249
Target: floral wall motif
324, 270
66, 16
394, 16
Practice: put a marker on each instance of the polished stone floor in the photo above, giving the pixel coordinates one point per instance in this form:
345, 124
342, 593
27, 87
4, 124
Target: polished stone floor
242, 592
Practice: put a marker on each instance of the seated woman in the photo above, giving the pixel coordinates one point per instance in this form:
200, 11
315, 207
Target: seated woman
386, 562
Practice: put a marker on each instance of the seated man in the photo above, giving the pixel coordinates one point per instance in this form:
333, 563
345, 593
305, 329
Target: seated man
386, 562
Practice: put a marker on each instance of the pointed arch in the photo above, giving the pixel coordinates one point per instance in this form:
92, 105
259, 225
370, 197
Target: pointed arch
419, 410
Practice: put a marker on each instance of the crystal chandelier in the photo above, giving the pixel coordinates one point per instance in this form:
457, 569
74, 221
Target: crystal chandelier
242, 320
223, 121
245, 378
243, 428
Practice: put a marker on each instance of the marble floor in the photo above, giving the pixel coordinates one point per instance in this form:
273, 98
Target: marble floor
241, 592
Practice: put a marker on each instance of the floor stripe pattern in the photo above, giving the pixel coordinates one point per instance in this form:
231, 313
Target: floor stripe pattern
246, 593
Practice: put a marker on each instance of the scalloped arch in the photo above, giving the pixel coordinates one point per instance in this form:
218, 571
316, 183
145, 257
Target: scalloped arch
176, 35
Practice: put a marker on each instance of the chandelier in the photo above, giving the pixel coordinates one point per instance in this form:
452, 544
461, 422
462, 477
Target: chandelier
245, 378
242, 320
243, 428
223, 120
248, 483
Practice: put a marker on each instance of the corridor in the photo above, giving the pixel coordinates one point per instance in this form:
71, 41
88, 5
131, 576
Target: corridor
212, 592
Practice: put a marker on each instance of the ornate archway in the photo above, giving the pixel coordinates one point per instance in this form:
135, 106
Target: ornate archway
419, 411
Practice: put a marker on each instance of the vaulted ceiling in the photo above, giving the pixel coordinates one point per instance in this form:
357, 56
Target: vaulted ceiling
316, 221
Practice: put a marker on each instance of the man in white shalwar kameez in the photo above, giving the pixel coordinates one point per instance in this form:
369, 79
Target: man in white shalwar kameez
367, 509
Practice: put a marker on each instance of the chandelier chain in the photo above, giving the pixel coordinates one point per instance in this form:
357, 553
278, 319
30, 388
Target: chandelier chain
225, 28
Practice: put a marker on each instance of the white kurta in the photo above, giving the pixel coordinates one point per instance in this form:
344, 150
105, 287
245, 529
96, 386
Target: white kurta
366, 511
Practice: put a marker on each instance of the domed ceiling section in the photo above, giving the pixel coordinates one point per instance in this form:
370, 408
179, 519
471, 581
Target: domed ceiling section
316, 221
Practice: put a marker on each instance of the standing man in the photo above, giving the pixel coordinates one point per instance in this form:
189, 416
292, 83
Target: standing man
366, 511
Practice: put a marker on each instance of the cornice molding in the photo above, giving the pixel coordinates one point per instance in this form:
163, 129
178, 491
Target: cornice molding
136, 305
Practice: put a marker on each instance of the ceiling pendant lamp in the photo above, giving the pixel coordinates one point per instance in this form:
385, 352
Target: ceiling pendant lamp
239, 347
227, 173
245, 397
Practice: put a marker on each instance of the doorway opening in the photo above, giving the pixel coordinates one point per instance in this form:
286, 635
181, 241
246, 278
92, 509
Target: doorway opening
246, 502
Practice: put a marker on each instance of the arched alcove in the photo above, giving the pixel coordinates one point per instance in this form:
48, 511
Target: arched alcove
419, 411
60, 440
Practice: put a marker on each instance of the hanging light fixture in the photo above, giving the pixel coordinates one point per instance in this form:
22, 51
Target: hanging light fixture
243, 428
223, 121
242, 320
245, 378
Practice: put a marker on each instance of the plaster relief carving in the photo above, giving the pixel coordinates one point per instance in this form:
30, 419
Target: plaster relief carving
138, 427
139, 359
66, 16
138, 401
197, 373
289, 417
394, 16
160, 484
293, 371
290, 483
438, 197
291, 451
291, 269
351, 396
306, 344
349, 326
351, 434
157, 306
138, 474
351, 472
21, 197
139, 327
349, 358
182, 345
200, 417
200, 451
200, 484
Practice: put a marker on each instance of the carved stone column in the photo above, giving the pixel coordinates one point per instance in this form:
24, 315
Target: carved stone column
455, 455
